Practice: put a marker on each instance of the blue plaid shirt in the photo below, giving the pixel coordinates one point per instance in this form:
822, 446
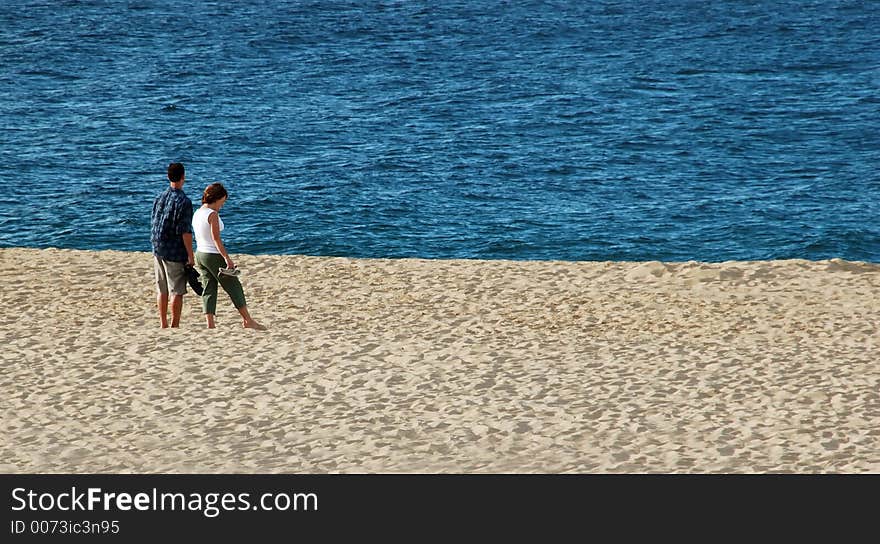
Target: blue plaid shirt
171, 218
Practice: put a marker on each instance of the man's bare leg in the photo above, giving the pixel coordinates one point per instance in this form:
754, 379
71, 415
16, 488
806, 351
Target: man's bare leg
162, 303
210, 319
176, 308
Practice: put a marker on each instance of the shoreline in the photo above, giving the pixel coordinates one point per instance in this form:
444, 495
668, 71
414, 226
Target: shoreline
463, 259
422, 365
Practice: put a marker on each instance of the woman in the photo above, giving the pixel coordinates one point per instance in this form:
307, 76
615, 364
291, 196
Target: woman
211, 256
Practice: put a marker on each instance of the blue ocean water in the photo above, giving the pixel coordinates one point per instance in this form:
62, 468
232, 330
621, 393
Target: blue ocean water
578, 130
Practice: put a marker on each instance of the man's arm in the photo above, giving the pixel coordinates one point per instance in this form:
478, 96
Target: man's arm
186, 227
188, 244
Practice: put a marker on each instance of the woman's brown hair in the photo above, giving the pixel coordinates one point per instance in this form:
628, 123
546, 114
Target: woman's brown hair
213, 193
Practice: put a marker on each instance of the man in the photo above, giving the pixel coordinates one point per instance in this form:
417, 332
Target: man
171, 235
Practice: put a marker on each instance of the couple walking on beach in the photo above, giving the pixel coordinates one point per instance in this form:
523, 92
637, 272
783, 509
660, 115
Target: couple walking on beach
172, 226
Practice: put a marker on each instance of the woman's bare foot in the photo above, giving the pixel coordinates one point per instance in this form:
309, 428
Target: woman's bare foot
252, 324
249, 322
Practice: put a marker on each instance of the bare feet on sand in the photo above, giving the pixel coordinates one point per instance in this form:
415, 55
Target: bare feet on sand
251, 324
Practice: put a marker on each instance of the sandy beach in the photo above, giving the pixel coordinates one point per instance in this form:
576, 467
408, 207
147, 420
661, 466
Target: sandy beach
387, 366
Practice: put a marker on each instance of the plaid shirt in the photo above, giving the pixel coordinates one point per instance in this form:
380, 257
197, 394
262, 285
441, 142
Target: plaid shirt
171, 218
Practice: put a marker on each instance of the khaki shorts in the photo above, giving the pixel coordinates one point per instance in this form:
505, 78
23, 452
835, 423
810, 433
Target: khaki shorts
169, 274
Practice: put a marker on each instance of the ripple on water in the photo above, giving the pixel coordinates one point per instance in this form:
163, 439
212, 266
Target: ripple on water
596, 130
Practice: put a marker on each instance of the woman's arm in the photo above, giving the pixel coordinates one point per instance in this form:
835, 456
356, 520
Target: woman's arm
215, 235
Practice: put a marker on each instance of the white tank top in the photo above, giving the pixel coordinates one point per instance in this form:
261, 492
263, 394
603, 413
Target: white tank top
202, 230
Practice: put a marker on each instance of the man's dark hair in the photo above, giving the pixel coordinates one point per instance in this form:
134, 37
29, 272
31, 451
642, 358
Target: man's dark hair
175, 172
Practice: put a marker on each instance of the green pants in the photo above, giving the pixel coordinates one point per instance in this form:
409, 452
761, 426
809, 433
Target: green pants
209, 273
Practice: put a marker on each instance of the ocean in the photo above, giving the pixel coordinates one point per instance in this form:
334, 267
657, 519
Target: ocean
627, 130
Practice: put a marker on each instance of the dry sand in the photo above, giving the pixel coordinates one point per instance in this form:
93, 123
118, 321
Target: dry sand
443, 366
